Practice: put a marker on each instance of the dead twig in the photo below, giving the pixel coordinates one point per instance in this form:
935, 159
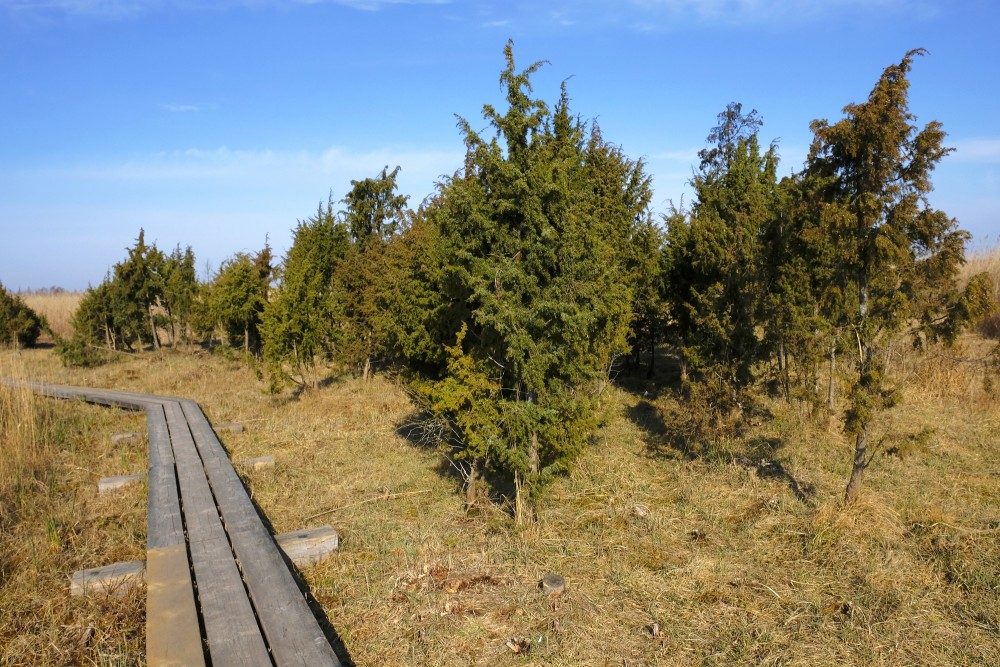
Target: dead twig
389, 496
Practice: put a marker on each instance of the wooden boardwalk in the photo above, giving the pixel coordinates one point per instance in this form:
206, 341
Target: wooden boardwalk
218, 590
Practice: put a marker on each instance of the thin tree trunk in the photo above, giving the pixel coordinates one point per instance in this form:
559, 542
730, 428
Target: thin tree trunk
853, 490
472, 486
831, 395
783, 371
652, 359
152, 328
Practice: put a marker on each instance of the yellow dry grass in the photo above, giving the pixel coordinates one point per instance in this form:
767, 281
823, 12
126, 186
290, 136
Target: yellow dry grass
984, 260
668, 560
56, 307
52, 523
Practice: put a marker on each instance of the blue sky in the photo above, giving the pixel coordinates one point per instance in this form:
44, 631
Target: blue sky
220, 123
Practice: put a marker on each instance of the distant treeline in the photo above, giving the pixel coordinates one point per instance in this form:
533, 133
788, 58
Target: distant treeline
525, 281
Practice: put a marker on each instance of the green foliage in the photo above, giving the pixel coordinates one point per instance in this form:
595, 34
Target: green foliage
536, 287
869, 177
119, 313
374, 215
716, 262
237, 297
180, 292
300, 324
20, 326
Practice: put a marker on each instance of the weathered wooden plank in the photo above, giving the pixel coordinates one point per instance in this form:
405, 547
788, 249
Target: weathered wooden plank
125, 400
259, 463
187, 461
310, 545
230, 624
164, 524
173, 637
109, 484
114, 579
293, 633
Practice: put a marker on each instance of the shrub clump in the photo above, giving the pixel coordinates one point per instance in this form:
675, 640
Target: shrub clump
20, 326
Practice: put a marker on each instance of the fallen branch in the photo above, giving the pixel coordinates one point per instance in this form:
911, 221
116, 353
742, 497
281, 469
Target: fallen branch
388, 496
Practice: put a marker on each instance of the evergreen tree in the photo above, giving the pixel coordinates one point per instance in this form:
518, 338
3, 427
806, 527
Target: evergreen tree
20, 326
716, 282
375, 213
180, 289
138, 288
896, 257
532, 235
238, 296
301, 324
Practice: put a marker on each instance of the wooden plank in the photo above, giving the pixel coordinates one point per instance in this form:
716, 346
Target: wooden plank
114, 579
259, 463
109, 484
230, 624
164, 524
308, 546
293, 633
173, 636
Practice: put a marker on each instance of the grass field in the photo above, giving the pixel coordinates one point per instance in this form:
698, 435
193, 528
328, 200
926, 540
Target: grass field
739, 556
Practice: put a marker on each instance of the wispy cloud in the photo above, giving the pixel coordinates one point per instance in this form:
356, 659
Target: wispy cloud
981, 149
669, 15
753, 11
181, 108
115, 9
268, 170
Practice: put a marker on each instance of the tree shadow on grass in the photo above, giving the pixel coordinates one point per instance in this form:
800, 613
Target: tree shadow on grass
426, 432
665, 439
760, 457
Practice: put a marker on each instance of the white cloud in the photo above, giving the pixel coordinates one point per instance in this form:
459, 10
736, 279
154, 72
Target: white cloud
181, 108
127, 8
983, 150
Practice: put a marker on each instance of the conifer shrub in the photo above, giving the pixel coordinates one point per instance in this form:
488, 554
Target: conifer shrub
20, 326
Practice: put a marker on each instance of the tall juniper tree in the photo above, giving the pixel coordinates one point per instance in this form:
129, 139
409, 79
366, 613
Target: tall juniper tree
897, 257
714, 258
301, 323
539, 302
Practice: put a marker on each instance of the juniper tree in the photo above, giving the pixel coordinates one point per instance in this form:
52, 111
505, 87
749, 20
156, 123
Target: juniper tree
238, 296
897, 257
301, 323
137, 288
180, 287
532, 232
20, 326
374, 214
714, 259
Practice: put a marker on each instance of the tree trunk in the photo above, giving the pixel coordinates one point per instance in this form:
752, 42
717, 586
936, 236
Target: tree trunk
853, 490
152, 328
783, 371
367, 370
472, 486
831, 394
652, 360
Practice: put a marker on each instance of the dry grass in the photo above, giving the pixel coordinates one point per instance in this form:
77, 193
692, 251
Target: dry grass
56, 307
668, 560
52, 523
987, 261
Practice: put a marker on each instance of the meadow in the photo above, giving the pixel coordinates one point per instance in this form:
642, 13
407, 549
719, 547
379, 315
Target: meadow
740, 554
